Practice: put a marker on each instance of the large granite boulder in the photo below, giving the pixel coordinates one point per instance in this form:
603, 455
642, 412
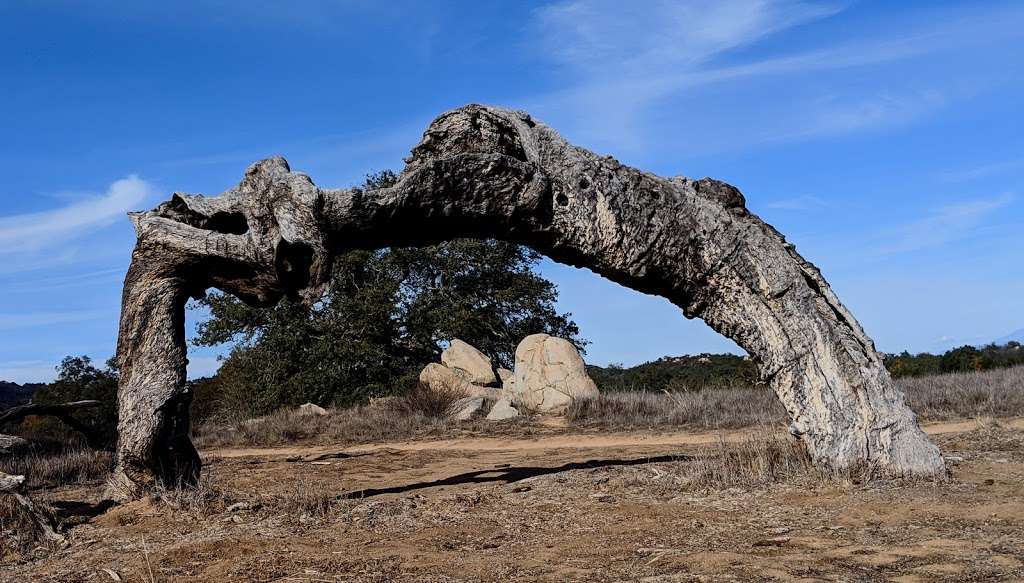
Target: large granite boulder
549, 375
441, 378
469, 362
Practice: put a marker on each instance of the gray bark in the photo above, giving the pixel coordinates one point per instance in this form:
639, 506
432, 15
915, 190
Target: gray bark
488, 172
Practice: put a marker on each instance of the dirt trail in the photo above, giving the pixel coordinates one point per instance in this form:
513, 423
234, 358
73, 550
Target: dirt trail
576, 441
597, 507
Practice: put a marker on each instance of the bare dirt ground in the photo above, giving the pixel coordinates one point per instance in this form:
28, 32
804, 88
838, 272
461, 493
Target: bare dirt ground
561, 507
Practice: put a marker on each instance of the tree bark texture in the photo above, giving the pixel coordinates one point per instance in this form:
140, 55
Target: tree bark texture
489, 172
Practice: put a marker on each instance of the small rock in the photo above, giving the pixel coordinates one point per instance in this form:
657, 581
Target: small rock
501, 410
953, 458
311, 409
781, 530
320, 463
238, 506
520, 489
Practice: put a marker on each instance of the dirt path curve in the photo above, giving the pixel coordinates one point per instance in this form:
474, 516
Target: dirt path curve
575, 441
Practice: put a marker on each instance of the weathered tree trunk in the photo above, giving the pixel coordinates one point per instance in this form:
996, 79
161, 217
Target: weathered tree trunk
488, 172
153, 400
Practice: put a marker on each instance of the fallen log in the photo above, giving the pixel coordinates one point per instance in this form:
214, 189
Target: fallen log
16, 414
61, 411
15, 486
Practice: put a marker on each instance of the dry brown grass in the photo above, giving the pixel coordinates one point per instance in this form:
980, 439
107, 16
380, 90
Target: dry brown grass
72, 464
418, 413
200, 500
710, 408
308, 499
364, 423
993, 393
763, 459
423, 413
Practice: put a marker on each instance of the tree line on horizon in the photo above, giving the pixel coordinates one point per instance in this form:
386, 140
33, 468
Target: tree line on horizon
79, 378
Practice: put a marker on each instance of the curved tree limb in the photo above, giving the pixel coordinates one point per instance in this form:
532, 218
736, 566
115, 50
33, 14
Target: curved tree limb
19, 412
61, 411
489, 172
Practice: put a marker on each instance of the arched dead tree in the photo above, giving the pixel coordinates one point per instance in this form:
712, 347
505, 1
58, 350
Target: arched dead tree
488, 172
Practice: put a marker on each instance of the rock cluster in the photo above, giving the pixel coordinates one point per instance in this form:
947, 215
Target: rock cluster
549, 375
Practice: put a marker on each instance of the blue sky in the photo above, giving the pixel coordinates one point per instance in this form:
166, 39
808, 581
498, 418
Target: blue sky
885, 139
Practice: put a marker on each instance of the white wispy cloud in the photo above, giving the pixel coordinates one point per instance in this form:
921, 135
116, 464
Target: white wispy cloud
797, 203
983, 170
625, 61
37, 319
611, 38
943, 225
833, 115
63, 281
46, 229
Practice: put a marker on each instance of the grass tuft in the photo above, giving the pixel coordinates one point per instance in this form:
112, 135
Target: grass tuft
710, 408
992, 393
308, 498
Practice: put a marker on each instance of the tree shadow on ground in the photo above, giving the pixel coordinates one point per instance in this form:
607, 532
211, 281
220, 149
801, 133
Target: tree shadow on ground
508, 475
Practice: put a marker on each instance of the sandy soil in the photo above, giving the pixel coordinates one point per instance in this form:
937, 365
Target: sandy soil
566, 507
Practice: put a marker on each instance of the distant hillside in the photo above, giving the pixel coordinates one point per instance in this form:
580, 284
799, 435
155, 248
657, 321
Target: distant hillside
962, 359
693, 373
1015, 336
12, 394
678, 373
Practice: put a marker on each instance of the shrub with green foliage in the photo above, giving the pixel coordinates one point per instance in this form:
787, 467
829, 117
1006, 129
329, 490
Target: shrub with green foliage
78, 380
678, 373
962, 359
